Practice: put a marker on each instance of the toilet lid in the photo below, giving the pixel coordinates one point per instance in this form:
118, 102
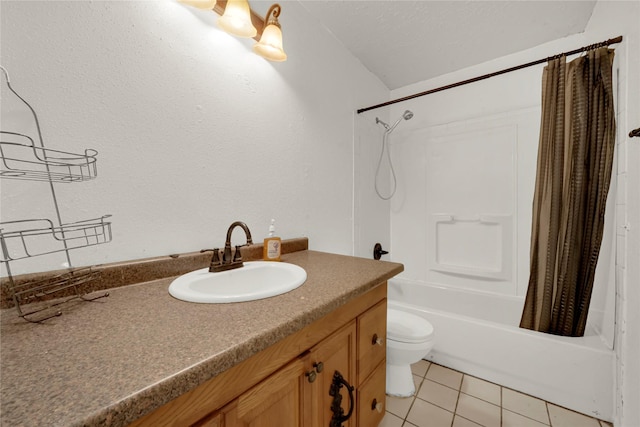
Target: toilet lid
407, 327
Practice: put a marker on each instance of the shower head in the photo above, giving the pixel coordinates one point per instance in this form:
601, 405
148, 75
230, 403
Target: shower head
407, 115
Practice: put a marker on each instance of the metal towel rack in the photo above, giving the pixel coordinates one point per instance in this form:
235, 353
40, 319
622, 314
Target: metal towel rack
25, 157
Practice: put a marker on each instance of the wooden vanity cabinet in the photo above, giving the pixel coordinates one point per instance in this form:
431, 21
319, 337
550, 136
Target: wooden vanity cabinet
295, 395
288, 383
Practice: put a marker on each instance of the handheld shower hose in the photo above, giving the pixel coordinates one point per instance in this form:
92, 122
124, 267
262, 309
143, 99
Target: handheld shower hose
407, 115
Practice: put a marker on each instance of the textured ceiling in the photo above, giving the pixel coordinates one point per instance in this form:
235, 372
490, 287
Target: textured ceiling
403, 42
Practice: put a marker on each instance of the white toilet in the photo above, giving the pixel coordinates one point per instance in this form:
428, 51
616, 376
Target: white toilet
409, 339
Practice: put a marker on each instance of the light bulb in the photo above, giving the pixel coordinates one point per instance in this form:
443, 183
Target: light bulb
200, 4
236, 19
270, 44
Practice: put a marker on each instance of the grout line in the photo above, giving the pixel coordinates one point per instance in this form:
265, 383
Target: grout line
468, 419
455, 409
501, 408
413, 400
526, 416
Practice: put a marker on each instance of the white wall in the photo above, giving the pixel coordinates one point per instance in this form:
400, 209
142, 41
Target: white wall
193, 130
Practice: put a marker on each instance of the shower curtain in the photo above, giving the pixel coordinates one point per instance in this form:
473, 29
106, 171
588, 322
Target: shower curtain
575, 158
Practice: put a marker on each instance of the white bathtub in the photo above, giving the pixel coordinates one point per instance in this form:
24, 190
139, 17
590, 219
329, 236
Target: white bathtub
478, 334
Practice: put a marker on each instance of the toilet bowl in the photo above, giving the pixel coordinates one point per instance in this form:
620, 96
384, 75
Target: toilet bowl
409, 339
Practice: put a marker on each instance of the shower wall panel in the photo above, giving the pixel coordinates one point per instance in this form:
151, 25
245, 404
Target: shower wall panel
466, 193
476, 246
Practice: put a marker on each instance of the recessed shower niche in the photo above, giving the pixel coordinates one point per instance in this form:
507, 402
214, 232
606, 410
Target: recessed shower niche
480, 246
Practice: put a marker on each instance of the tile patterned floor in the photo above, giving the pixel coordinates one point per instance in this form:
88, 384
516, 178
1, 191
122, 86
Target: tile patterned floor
448, 398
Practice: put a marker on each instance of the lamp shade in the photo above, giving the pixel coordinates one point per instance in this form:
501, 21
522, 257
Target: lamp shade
200, 4
236, 19
270, 44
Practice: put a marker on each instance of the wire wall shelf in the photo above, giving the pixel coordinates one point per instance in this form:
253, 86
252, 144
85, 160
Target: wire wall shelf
23, 159
34, 237
23, 156
36, 296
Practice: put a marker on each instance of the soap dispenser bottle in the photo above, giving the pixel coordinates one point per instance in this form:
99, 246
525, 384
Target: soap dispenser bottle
272, 245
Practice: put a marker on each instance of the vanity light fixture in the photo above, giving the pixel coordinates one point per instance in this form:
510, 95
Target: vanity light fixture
200, 4
270, 44
236, 19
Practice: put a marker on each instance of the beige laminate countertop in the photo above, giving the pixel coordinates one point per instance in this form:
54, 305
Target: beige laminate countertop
111, 361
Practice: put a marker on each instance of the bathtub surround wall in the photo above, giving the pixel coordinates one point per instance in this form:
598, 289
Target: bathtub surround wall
193, 130
490, 129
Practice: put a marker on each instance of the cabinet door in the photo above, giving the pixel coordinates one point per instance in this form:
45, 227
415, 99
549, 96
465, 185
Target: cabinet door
372, 398
335, 353
275, 401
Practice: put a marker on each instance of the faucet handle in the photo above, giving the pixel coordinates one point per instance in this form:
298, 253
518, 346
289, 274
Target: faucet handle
237, 256
216, 258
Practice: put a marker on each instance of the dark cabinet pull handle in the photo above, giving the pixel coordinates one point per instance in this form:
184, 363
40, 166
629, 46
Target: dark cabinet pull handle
336, 405
319, 366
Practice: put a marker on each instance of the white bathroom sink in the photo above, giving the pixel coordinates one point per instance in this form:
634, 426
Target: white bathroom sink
255, 280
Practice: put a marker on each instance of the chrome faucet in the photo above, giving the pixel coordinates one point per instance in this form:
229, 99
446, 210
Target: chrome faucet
229, 262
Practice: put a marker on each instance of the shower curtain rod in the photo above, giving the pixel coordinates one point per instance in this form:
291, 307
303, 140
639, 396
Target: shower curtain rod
497, 73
